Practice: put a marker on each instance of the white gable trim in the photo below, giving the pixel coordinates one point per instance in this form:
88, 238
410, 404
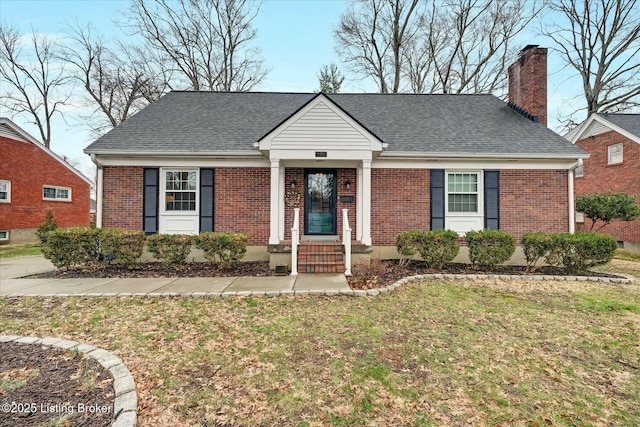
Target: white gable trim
26, 137
593, 121
320, 126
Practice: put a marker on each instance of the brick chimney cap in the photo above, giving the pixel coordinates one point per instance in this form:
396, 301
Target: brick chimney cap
528, 47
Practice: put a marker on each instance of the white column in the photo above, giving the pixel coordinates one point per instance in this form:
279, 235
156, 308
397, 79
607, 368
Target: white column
281, 218
572, 210
366, 202
99, 186
274, 216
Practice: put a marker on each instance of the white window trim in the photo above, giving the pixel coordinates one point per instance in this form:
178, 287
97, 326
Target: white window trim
163, 192
8, 199
56, 199
6, 237
480, 175
579, 170
621, 154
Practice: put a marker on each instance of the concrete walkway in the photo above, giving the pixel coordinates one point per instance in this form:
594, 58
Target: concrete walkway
11, 269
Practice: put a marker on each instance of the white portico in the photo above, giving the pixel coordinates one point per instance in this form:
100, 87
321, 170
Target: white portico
320, 137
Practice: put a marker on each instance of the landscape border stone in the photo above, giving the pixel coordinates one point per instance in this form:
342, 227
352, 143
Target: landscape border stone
125, 406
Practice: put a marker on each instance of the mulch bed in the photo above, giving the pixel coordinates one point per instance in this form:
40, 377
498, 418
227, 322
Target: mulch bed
41, 385
377, 273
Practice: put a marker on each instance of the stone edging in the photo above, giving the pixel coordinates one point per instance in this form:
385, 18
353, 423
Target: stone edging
125, 407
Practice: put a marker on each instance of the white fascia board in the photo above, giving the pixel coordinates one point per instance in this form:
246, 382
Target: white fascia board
595, 117
183, 161
498, 164
480, 157
27, 137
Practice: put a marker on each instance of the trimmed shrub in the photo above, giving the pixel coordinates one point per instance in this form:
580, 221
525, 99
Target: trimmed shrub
122, 246
48, 225
72, 247
222, 249
581, 250
535, 246
436, 247
488, 248
170, 248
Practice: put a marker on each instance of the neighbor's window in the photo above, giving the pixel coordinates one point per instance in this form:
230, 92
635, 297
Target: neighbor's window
615, 153
180, 190
50, 192
579, 171
580, 217
462, 192
5, 191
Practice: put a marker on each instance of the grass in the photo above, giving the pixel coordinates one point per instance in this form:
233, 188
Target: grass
435, 353
12, 251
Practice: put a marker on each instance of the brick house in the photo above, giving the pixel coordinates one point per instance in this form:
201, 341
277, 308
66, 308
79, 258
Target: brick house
613, 142
33, 180
381, 163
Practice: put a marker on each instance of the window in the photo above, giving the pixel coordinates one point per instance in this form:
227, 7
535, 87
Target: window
5, 191
580, 217
615, 153
180, 191
4, 235
579, 171
50, 192
462, 192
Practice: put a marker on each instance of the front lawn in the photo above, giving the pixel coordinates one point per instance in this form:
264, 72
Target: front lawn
492, 352
13, 251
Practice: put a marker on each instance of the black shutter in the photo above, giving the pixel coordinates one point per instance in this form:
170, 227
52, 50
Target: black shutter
206, 199
437, 199
151, 177
492, 200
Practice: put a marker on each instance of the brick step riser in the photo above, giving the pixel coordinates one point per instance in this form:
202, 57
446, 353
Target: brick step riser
320, 258
313, 258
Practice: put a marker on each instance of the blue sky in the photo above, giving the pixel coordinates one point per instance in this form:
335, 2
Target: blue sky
295, 36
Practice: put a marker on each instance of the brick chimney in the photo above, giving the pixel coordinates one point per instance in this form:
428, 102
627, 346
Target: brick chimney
528, 82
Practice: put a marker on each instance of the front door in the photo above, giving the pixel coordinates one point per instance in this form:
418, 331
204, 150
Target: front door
320, 202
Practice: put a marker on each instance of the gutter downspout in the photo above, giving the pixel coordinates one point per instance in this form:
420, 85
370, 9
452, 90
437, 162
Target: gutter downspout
99, 185
572, 208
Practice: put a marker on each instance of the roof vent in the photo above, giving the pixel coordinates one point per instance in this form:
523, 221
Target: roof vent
523, 112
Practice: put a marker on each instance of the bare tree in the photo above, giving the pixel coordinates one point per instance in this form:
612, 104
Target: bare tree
330, 78
465, 45
372, 37
34, 76
601, 41
208, 42
117, 80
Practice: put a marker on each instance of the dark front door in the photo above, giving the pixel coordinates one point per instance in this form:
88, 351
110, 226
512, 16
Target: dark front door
320, 202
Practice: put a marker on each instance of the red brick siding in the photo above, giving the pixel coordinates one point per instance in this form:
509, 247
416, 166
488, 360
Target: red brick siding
399, 202
343, 175
534, 200
122, 197
528, 82
29, 168
242, 202
600, 177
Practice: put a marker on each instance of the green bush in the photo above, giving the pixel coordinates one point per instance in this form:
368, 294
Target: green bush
122, 246
535, 246
581, 250
436, 248
222, 249
48, 225
488, 248
170, 248
72, 247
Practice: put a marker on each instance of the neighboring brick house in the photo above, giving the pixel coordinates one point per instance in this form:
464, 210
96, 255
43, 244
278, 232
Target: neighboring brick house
613, 142
33, 180
197, 161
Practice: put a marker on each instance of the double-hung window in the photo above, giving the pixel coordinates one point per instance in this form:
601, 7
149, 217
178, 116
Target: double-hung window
51, 192
180, 191
5, 191
614, 153
463, 192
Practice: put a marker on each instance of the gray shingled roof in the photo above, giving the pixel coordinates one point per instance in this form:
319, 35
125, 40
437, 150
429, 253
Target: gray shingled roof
188, 122
628, 122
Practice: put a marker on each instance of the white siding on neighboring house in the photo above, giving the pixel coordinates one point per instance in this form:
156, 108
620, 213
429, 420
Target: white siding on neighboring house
595, 128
